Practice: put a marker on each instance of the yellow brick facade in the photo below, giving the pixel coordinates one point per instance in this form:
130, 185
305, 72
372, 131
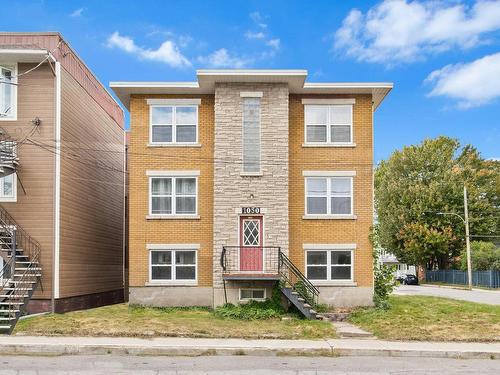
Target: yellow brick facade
169, 231
359, 159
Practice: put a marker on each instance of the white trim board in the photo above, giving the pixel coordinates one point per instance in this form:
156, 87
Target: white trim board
323, 246
321, 101
172, 173
175, 246
251, 94
173, 101
329, 173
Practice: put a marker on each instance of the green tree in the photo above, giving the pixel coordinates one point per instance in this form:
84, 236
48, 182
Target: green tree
419, 181
484, 256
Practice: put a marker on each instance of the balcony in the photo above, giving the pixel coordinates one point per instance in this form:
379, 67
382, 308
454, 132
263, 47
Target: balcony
250, 263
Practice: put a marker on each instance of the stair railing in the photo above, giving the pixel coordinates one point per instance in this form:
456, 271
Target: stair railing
293, 278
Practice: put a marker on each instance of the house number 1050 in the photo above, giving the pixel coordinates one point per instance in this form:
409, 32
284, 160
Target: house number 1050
250, 210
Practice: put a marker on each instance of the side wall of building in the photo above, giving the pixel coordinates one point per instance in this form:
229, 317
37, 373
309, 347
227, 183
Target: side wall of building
327, 231
144, 231
34, 209
92, 200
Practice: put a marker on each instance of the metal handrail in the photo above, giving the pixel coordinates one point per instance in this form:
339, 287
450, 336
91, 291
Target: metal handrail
229, 261
311, 293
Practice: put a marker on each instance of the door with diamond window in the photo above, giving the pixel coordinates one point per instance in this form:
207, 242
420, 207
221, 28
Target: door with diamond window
251, 252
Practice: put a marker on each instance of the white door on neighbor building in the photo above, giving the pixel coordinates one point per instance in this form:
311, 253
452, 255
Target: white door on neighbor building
251, 252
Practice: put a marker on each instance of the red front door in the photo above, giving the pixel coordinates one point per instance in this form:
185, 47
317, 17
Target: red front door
251, 252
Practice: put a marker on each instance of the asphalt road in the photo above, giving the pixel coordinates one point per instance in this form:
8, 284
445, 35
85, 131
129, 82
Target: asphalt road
243, 365
489, 297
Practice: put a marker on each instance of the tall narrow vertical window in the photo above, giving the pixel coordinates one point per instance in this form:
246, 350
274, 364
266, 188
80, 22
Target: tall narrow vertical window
251, 135
8, 188
8, 93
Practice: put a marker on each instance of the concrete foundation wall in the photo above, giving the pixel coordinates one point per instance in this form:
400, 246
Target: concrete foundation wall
171, 296
342, 296
233, 291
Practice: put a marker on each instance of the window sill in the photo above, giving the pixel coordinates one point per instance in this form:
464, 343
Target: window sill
172, 283
346, 283
172, 217
329, 217
8, 200
329, 145
174, 144
251, 174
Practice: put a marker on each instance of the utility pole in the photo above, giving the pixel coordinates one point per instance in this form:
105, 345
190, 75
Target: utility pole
467, 239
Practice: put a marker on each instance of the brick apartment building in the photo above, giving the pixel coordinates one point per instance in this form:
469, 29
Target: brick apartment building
246, 178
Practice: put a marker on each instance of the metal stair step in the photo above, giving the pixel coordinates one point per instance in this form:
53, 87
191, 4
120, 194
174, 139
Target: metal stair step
312, 311
11, 303
5, 327
9, 311
21, 275
27, 268
10, 295
7, 319
306, 305
300, 299
12, 288
295, 293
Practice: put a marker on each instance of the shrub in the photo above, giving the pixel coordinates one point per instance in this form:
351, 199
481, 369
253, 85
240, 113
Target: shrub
384, 284
484, 256
253, 310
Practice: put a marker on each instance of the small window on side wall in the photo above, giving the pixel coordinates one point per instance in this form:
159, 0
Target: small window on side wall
8, 188
8, 93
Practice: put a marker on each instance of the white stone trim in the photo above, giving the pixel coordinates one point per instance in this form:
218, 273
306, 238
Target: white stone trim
323, 246
329, 217
165, 173
173, 101
329, 101
174, 144
175, 246
251, 94
329, 173
333, 145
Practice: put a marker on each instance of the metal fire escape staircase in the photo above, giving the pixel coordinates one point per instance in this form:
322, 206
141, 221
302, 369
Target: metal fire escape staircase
20, 274
293, 284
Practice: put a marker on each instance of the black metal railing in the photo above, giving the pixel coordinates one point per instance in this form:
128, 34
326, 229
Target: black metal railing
292, 277
263, 259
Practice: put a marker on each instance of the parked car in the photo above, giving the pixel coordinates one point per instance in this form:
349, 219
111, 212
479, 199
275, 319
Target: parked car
408, 279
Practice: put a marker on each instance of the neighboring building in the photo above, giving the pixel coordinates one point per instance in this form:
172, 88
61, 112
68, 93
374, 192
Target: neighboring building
62, 159
249, 177
401, 270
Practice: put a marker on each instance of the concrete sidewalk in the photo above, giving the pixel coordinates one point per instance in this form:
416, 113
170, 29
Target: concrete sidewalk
27, 345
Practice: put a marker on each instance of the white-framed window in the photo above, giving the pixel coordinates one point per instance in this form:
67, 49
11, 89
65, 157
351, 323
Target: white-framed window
256, 294
329, 196
8, 92
251, 134
329, 265
8, 188
173, 195
173, 265
173, 124
328, 124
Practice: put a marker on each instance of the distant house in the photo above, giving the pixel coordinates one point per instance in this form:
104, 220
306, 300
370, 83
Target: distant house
402, 269
62, 181
247, 178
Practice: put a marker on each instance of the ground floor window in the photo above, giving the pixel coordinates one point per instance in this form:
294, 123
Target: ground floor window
8, 188
329, 265
173, 265
252, 294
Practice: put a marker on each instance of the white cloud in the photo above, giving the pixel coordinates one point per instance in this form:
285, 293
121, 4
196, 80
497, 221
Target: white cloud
274, 43
167, 53
223, 59
472, 84
258, 19
77, 13
404, 31
257, 35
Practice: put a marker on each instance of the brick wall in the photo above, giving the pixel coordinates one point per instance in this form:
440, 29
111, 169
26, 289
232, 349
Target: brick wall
359, 159
143, 158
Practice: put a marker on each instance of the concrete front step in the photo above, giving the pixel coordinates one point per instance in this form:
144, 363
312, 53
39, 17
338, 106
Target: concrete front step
347, 330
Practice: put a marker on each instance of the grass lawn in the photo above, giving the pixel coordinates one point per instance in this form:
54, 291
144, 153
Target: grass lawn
431, 319
122, 320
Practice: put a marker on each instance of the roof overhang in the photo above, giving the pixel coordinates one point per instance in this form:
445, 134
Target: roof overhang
21, 55
295, 79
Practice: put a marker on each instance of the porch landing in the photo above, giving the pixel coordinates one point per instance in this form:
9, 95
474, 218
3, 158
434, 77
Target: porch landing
251, 276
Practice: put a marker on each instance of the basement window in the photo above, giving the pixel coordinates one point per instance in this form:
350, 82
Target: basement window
8, 93
252, 294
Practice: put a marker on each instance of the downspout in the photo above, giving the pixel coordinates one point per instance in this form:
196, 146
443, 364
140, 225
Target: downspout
124, 236
57, 189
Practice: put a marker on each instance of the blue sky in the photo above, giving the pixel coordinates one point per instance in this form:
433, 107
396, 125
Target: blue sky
443, 56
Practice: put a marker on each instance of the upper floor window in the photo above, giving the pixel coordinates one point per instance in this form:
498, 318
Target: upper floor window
328, 124
329, 196
173, 195
8, 188
174, 124
251, 135
8, 93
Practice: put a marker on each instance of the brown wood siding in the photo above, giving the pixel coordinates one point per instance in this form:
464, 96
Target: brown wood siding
91, 253
34, 210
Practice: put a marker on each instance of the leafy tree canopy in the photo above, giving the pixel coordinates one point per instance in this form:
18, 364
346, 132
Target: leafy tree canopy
419, 181
485, 256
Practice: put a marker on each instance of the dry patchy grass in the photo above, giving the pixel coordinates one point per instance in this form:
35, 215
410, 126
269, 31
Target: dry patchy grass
431, 319
134, 321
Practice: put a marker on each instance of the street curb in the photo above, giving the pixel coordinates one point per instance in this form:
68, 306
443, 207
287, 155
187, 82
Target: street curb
191, 351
